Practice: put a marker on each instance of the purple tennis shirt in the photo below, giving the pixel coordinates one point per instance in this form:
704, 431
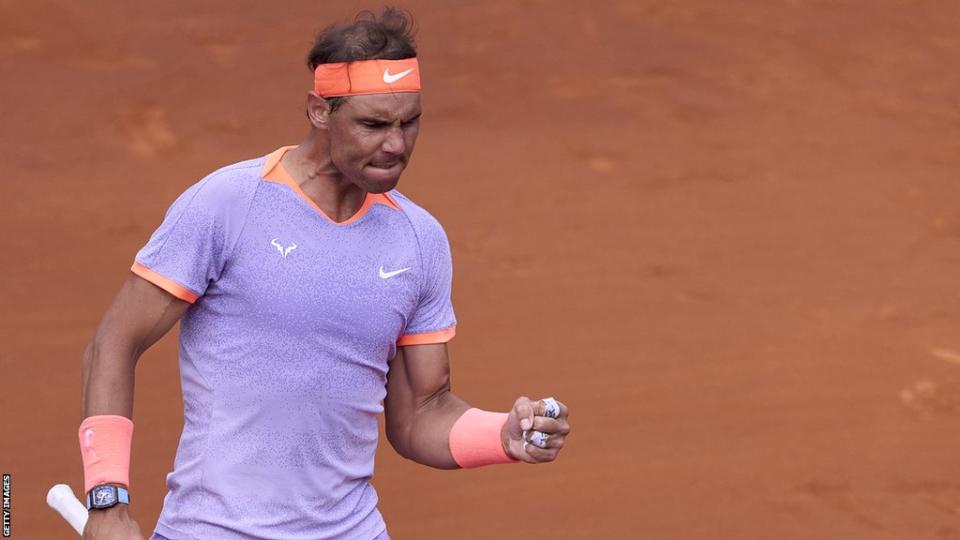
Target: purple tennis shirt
284, 350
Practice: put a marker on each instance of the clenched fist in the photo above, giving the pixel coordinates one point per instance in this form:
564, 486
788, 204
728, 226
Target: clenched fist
535, 430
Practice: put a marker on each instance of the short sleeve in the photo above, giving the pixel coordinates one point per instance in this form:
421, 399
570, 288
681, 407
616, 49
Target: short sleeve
433, 321
189, 249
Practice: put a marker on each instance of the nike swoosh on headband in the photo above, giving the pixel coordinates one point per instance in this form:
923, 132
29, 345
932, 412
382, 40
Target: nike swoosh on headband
390, 79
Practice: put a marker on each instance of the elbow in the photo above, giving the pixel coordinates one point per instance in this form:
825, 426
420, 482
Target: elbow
399, 439
112, 351
92, 360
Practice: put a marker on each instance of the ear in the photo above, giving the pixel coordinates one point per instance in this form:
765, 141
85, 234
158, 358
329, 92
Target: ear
318, 110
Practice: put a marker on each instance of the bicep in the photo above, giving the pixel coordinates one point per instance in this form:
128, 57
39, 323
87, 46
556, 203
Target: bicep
139, 315
419, 372
420, 409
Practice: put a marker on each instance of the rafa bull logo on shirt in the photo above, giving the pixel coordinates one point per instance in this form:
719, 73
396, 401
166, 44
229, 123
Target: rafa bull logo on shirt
284, 251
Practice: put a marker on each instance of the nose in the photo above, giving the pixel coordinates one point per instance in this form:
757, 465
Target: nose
394, 143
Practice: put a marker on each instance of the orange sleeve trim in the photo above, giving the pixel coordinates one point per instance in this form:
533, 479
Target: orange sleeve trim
442, 336
164, 283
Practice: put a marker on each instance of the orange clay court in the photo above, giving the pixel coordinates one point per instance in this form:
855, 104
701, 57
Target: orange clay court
727, 234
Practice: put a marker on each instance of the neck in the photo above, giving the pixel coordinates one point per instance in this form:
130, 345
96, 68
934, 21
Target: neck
310, 166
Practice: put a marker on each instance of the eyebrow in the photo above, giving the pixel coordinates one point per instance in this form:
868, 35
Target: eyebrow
375, 119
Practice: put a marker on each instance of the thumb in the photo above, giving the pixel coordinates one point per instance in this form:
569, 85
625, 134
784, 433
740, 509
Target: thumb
519, 420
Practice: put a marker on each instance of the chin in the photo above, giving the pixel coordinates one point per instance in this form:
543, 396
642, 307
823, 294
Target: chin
378, 185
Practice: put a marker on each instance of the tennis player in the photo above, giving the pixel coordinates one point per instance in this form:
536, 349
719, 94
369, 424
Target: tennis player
312, 296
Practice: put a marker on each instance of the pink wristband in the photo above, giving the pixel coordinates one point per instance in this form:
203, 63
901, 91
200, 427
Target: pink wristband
475, 439
105, 448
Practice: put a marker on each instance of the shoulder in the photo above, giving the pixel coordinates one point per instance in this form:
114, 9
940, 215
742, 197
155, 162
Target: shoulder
424, 225
430, 237
233, 181
226, 188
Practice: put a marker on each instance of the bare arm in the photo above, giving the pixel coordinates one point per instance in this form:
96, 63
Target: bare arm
140, 315
420, 409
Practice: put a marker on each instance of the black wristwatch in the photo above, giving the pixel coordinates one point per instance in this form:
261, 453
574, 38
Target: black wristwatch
107, 496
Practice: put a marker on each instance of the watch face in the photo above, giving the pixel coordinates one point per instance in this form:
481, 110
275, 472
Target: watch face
104, 496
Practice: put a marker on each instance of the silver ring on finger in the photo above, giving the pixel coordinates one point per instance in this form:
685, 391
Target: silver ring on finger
539, 439
551, 408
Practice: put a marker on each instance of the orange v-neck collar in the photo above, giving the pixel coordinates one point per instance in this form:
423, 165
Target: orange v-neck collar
274, 171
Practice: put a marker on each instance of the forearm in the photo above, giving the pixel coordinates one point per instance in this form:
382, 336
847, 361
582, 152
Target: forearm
425, 435
108, 380
106, 432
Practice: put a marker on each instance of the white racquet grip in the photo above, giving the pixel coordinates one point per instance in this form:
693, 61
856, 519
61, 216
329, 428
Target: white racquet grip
61, 498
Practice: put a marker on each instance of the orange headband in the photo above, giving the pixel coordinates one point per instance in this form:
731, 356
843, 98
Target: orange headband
367, 77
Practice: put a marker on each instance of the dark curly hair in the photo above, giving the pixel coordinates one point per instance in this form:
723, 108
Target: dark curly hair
368, 37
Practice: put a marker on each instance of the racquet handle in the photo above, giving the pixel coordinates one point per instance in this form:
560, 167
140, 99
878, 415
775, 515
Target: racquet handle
61, 498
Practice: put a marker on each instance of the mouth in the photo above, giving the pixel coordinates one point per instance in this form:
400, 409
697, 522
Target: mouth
386, 165
384, 172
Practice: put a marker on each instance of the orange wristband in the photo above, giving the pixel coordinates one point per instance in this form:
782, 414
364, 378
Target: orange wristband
105, 449
475, 439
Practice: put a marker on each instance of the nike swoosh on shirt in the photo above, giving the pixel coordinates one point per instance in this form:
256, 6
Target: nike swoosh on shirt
390, 79
388, 275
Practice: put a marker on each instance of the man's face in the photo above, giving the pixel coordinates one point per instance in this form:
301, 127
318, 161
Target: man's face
372, 138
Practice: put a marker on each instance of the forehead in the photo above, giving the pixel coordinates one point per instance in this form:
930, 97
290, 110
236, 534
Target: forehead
396, 106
